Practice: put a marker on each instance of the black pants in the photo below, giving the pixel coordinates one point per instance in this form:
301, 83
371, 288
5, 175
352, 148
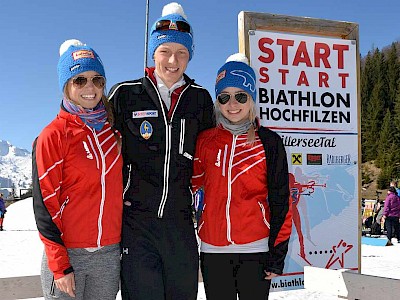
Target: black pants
227, 275
160, 258
392, 227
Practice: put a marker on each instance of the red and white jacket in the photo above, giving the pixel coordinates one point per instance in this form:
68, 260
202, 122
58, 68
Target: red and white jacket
243, 200
77, 188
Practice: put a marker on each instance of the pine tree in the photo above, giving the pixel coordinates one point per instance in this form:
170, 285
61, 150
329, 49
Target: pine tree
396, 134
392, 75
386, 141
374, 118
367, 85
387, 152
379, 72
366, 80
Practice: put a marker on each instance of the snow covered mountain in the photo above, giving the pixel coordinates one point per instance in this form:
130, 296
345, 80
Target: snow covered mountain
15, 168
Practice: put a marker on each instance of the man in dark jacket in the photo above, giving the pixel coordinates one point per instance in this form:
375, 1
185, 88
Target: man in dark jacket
160, 116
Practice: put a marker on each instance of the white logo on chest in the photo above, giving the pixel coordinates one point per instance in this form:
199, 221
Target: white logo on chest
218, 162
88, 154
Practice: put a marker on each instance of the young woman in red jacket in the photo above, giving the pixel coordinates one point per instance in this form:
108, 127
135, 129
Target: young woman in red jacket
77, 184
242, 168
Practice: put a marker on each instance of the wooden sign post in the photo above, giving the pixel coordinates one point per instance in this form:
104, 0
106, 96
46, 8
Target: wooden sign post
308, 90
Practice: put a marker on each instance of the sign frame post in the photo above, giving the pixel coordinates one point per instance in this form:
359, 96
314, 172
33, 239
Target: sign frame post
256, 21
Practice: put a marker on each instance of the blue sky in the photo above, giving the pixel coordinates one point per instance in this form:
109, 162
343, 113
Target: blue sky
32, 31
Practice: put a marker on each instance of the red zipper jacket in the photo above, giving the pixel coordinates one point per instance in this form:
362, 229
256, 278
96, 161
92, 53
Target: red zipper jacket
77, 188
246, 195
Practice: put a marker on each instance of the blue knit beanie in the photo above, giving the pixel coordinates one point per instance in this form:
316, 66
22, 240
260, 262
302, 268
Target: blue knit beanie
236, 72
76, 58
172, 12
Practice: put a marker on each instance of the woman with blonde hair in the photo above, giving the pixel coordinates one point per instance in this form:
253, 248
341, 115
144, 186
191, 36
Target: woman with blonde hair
242, 168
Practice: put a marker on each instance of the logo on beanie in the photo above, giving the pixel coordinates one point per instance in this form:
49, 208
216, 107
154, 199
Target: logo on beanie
74, 67
82, 54
163, 36
220, 76
246, 79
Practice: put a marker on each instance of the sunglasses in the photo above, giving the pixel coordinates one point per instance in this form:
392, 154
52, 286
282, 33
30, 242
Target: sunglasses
240, 97
181, 26
80, 81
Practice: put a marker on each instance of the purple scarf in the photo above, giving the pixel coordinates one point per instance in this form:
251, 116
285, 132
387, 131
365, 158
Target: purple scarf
93, 117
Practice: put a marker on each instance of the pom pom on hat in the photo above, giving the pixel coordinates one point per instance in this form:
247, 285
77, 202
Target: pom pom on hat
64, 46
173, 8
174, 13
240, 57
236, 72
75, 58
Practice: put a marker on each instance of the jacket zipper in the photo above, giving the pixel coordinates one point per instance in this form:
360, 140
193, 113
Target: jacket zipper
182, 136
169, 99
228, 202
103, 168
166, 171
128, 183
63, 206
167, 148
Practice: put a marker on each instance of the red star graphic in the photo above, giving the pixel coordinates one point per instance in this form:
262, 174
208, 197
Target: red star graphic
338, 254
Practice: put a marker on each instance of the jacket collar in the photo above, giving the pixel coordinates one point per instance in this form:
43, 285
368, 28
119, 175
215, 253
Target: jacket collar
149, 71
63, 114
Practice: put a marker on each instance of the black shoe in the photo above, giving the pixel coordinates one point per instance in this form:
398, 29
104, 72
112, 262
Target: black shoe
389, 243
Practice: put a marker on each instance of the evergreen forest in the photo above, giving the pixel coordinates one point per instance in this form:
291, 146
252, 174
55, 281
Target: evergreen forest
380, 112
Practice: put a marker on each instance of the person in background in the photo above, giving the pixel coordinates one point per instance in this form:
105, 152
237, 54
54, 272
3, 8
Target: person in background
391, 214
159, 117
242, 168
77, 184
3, 211
376, 226
394, 184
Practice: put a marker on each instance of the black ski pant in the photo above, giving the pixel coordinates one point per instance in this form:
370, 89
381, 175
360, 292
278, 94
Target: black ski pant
227, 275
392, 227
160, 259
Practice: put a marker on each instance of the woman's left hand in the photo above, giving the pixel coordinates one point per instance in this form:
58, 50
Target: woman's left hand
269, 275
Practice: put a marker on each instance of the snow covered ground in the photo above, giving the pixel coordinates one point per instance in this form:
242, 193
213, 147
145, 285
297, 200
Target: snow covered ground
21, 252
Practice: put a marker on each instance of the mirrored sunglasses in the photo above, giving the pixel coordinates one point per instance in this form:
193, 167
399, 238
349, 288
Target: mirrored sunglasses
163, 25
240, 97
80, 81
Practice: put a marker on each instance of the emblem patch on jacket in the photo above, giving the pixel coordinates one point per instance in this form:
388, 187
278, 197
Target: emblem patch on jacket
218, 162
146, 130
88, 153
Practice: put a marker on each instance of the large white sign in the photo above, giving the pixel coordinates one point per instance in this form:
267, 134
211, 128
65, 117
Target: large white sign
307, 92
307, 81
